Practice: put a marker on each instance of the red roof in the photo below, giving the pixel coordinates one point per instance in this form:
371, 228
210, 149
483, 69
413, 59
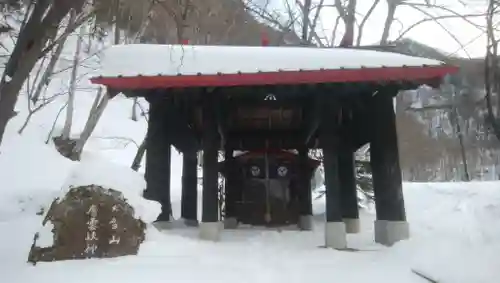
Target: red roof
431, 75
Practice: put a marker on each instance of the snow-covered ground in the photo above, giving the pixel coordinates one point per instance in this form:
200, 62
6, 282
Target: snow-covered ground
454, 227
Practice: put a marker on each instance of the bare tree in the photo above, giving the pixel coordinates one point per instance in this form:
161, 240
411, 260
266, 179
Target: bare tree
363, 21
100, 103
136, 38
285, 23
66, 131
42, 103
134, 109
46, 77
391, 11
348, 16
306, 10
492, 74
141, 150
74, 150
36, 38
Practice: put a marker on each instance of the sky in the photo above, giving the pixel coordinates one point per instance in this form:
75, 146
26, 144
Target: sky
430, 33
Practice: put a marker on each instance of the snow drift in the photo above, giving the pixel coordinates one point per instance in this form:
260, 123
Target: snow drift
98, 171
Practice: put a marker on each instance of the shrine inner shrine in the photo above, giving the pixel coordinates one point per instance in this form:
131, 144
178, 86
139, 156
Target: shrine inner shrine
263, 188
268, 102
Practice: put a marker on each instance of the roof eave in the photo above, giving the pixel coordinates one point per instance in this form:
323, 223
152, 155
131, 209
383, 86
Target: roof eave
382, 74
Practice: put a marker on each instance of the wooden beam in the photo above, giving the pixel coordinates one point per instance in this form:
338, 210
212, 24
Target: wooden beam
266, 134
262, 144
359, 109
111, 92
189, 198
313, 119
282, 92
232, 188
289, 103
158, 155
335, 232
221, 116
134, 92
347, 179
384, 159
177, 120
289, 139
329, 139
305, 194
210, 207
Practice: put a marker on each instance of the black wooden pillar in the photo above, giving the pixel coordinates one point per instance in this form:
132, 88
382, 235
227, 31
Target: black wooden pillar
391, 223
231, 190
189, 198
305, 196
335, 234
158, 154
348, 191
209, 228
332, 183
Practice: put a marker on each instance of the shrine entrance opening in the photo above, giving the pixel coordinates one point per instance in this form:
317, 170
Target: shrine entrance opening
264, 188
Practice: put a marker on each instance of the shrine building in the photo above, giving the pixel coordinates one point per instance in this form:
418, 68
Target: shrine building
274, 104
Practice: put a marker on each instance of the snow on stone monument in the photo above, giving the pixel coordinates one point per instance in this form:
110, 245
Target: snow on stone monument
95, 221
90, 221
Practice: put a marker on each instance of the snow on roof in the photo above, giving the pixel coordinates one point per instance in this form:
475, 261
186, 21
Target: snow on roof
172, 60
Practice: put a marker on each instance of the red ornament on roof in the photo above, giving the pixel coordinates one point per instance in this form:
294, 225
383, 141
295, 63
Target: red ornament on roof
264, 39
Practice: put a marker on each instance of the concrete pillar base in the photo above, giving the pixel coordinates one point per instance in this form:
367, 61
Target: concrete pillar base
352, 225
190, 222
389, 232
173, 224
230, 223
149, 195
305, 222
335, 235
165, 216
210, 231
162, 225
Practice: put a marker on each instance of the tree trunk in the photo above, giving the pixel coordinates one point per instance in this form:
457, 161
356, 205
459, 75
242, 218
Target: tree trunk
45, 80
96, 112
466, 176
305, 21
116, 9
134, 110
350, 21
66, 132
491, 81
363, 22
94, 117
136, 164
391, 11
39, 29
32, 38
